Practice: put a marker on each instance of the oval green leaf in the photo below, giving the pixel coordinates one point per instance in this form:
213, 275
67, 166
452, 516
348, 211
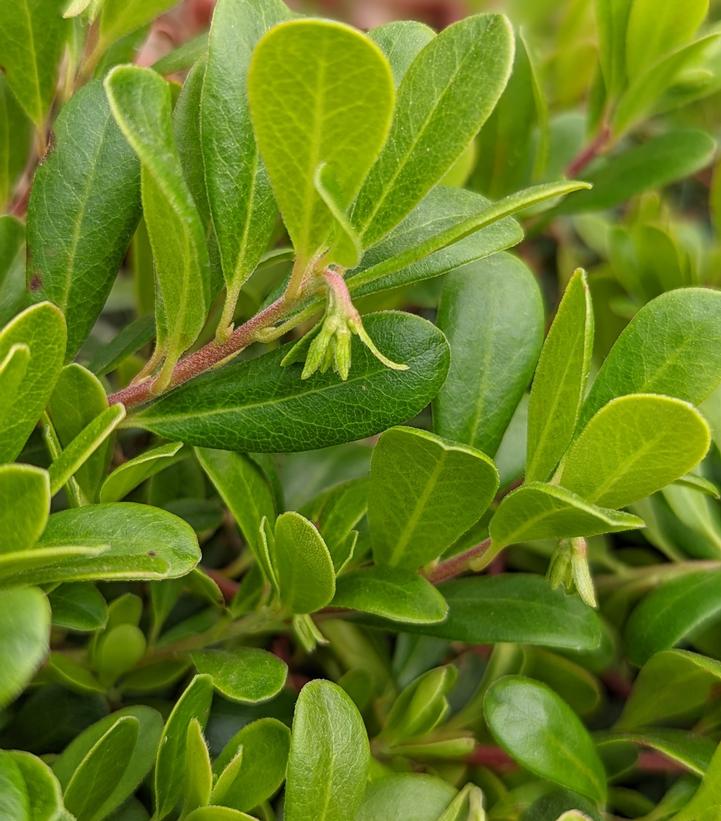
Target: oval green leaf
246, 674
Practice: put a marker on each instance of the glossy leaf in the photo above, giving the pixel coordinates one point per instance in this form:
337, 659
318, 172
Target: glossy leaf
693, 752
443, 100
634, 446
24, 638
320, 93
245, 674
29, 790
257, 406
401, 41
84, 206
329, 756
560, 381
706, 802
424, 493
492, 314
543, 511
392, 593
134, 472
24, 506
540, 731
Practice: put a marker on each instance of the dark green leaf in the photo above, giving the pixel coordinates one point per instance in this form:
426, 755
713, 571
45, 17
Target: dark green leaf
78, 606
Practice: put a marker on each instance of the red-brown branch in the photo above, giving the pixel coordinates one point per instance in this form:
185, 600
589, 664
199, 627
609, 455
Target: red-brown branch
456, 565
589, 153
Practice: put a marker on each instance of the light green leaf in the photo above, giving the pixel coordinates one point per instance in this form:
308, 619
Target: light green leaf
214, 813
198, 772
634, 446
336, 512
329, 756
24, 506
443, 100
239, 194
302, 565
706, 802
406, 797
401, 41
134, 472
82, 447
121, 17
24, 638
29, 790
169, 775
492, 315
263, 746
42, 329
541, 732
84, 206
320, 92
141, 104
258, 406
115, 541
13, 293
560, 381
78, 606
612, 21
32, 37
245, 674
424, 494
692, 752
392, 593
542, 511
672, 346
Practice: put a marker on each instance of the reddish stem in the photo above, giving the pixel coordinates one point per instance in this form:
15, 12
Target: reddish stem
589, 153
456, 565
486, 755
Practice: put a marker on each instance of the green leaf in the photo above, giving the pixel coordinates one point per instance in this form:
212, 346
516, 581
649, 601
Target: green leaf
29, 790
83, 446
694, 752
78, 606
121, 17
542, 511
336, 512
442, 209
32, 37
169, 775
141, 104
634, 446
406, 797
245, 674
76, 402
24, 506
264, 746
115, 541
393, 593
15, 133
84, 206
401, 41
420, 707
541, 732
492, 314
424, 494
560, 381
129, 770
671, 612
257, 406
531, 613
329, 756
706, 802
443, 100
320, 92
241, 201
13, 293
134, 472
24, 637
213, 813
612, 20
42, 329
672, 346
302, 565
198, 772
654, 164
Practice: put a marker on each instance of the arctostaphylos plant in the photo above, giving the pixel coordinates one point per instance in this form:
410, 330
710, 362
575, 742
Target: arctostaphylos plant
308, 509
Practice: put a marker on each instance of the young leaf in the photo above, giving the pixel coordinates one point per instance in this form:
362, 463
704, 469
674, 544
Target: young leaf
264, 746
32, 37
30, 791
406, 797
492, 315
194, 703
443, 100
84, 206
542, 511
198, 772
336, 512
302, 564
424, 494
634, 446
706, 802
134, 472
42, 329
560, 381
257, 406
24, 638
612, 20
401, 41
329, 756
141, 104
672, 346
121, 17
320, 92
245, 674
671, 612
215, 813
540, 731
391, 592
239, 194
24, 506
